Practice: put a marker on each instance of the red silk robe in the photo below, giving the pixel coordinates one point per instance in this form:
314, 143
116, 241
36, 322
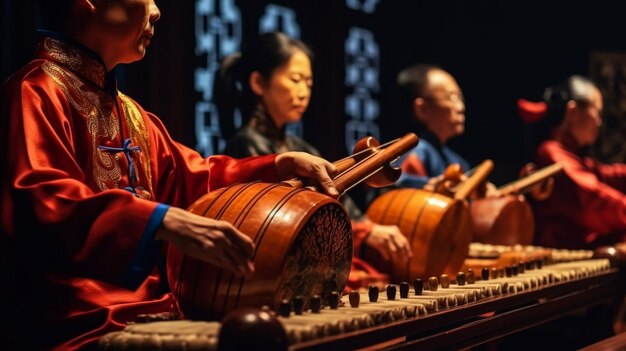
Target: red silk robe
587, 207
77, 250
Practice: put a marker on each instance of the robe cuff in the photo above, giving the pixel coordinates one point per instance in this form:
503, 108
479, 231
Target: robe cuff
145, 256
361, 229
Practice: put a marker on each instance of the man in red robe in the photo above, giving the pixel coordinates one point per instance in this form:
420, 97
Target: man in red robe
92, 184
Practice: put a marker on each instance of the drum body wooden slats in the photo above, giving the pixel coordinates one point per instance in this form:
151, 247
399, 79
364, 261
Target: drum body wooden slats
438, 228
303, 247
506, 220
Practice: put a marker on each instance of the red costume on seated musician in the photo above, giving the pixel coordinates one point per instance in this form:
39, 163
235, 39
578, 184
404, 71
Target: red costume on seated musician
587, 207
93, 185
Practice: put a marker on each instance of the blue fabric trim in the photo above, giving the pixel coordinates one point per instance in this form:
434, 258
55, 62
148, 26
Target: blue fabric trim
147, 252
435, 161
412, 181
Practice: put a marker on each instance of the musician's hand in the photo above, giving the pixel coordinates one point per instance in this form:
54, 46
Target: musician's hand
389, 241
542, 190
527, 169
440, 184
492, 190
432, 183
301, 164
210, 240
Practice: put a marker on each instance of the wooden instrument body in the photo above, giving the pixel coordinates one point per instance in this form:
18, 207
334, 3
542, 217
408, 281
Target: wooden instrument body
303, 247
504, 220
508, 219
438, 228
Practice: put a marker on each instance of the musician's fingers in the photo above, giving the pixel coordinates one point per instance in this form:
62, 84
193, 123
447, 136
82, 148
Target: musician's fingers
237, 261
331, 169
403, 244
238, 238
549, 184
543, 191
321, 174
527, 169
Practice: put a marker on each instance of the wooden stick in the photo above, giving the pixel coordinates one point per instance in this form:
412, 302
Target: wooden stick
526, 183
481, 173
373, 163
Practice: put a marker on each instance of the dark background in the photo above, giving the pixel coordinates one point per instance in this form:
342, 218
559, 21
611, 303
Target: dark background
499, 51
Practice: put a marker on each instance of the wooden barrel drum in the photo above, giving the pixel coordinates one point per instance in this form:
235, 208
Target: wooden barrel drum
508, 219
439, 231
303, 241
438, 228
312, 258
504, 220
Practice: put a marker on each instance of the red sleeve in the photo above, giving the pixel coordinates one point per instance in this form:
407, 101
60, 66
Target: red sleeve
413, 165
360, 230
45, 195
585, 199
613, 175
184, 175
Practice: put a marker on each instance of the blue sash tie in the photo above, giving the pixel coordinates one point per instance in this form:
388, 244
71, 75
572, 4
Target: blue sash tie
132, 175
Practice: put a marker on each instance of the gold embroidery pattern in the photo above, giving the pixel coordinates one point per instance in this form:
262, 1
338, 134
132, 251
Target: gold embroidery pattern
72, 58
69, 67
96, 107
139, 135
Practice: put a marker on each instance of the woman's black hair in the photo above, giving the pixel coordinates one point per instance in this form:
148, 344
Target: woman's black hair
232, 88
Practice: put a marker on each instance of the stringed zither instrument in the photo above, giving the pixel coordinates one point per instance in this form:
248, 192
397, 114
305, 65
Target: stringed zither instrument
303, 238
507, 219
438, 228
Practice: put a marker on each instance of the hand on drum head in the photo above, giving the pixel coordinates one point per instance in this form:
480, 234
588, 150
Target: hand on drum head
445, 183
389, 241
209, 240
301, 164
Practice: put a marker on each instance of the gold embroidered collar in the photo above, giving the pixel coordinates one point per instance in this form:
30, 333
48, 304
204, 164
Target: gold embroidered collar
77, 58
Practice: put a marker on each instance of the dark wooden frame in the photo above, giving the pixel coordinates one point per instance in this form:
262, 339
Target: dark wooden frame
468, 325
